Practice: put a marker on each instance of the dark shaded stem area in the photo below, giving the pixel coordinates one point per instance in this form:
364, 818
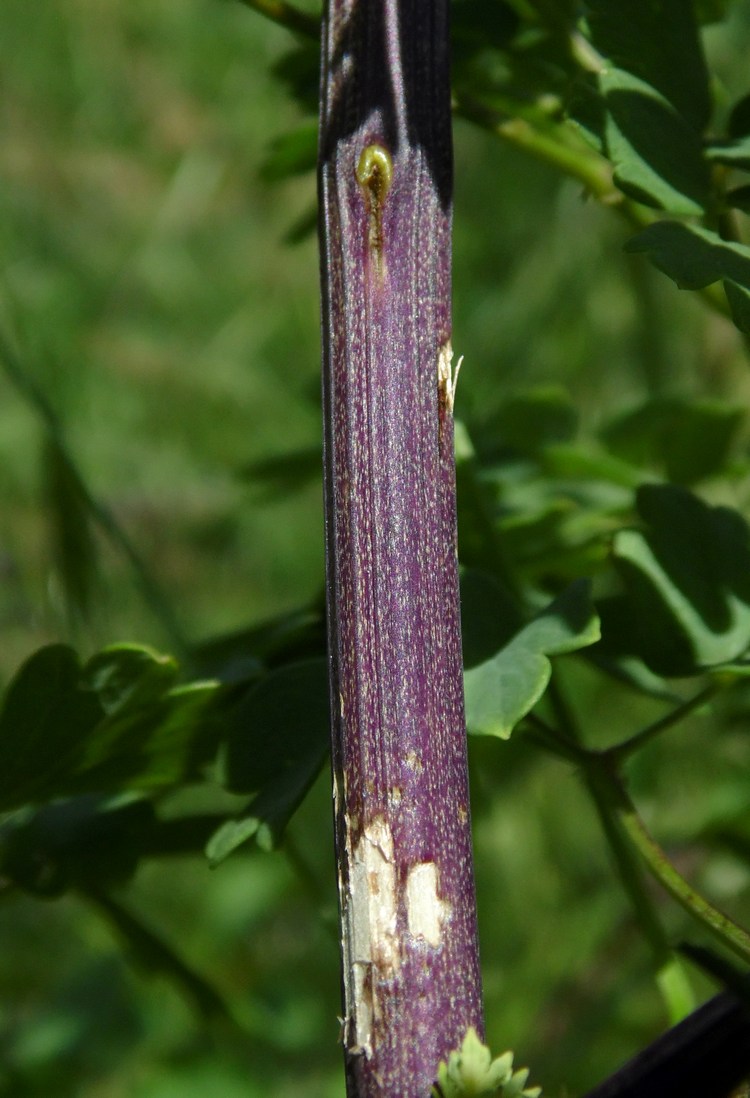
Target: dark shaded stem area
409, 946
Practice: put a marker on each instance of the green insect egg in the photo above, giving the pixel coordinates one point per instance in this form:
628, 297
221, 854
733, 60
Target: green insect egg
375, 171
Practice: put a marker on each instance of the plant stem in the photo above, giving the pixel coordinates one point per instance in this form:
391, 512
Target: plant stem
411, 974
550, 144
624, 750
157, 956
574, 160
706, 1055
729, 933
670, 977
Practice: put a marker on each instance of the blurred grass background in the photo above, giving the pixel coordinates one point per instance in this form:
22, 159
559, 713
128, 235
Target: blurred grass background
147, 287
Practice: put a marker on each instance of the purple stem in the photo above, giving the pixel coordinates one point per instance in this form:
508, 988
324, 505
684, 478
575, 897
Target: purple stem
410, 963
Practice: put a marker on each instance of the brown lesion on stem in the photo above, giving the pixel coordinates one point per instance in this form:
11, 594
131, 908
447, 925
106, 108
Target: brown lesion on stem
371, 942
374, 173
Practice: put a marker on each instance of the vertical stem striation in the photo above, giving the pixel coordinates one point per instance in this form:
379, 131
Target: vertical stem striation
411, 975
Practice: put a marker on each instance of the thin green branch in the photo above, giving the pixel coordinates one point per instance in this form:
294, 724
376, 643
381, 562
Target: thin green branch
286, 15
631, 875
577, 160
634, 743
729, 933
35, 398
560, 150
553, 741
563, 712
157, 956
670, 975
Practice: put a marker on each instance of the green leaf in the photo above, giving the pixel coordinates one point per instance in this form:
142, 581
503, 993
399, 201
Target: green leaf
154, 734
656, 91
241, 655
479, 25
268, 814
230, 835
74, 842
689, 439
738, 298
694, 257
686, 577
574, 462
657, 155
280, 723
586, 110
303, 227
115, 724
529, 421
658, 42
489, 616
503, 689
736, 979
278, 743
167, 741
45, 716
558, 528
128, 674
471, 1072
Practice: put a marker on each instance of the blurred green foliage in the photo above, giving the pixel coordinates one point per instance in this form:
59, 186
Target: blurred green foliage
152, 165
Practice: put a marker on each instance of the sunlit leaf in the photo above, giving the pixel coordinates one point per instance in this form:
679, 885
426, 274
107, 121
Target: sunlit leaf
503, 689
735, 154
267, 816
128, 674
471, 1072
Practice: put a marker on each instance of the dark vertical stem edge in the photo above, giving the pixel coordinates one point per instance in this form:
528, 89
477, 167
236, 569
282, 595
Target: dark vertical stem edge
409, 945
706, 1054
